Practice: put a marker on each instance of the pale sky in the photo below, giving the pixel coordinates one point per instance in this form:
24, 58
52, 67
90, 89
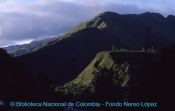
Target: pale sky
22, 21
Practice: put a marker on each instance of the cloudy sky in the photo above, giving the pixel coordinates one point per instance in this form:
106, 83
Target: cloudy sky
22, 21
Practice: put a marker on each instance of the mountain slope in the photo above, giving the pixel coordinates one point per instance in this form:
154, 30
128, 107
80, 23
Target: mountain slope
103, 73
60, 58
17, 83
67, 56
121, 75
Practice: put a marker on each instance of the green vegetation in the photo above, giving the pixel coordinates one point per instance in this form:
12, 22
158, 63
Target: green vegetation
76, 29
95, 22
103, 66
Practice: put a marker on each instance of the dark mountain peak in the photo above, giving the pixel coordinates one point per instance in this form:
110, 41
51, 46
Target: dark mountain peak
105, 16
99, 22
111, 20
152, 14
108, 13
171, 18
102, 20
149, 17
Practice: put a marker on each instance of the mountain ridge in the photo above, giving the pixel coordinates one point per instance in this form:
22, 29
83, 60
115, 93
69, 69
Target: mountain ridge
67, 56
95, 22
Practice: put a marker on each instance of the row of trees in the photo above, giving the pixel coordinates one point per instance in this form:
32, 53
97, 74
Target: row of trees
148, 50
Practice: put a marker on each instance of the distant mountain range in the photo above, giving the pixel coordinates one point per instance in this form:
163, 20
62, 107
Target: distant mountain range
62, 59
18, 50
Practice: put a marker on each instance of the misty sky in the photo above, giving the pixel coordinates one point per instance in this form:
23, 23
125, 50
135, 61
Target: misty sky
22, 21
